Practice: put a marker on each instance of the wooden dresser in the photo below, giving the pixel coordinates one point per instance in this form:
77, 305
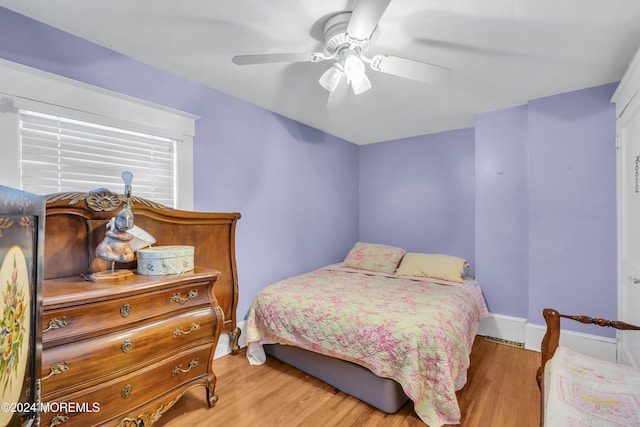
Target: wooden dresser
123, 352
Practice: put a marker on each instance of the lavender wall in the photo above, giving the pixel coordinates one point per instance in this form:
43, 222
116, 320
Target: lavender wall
528, 197
418, 193
572, 187
295, 187
502, 224
546, 206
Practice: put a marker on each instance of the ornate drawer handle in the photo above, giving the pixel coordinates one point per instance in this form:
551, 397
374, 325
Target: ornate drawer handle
57, 368
127, 346
58, 419
178, 369
177, 298
125, 310
56, 324
126, 391
179, 331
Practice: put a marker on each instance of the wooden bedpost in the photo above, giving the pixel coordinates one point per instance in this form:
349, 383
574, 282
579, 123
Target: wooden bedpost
550, 341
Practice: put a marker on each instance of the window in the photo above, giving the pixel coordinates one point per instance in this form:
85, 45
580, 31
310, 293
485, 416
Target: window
60, 154
58, 134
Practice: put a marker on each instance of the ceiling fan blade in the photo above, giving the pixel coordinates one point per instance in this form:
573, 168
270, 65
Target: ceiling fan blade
270, 58
419, 71
339, 95
365, 17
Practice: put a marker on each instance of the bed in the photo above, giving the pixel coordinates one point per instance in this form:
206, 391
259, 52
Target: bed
381, 309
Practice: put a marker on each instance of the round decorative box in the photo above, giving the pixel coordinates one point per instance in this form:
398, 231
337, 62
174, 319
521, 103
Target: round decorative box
158, 260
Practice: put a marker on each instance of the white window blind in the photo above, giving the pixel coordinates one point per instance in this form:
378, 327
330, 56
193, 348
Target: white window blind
62, 154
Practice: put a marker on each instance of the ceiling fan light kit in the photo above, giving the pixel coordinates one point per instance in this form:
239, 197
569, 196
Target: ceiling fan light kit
331, 78
355, 72
347, 36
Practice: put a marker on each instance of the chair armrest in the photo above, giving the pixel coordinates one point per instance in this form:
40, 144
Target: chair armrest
551, 338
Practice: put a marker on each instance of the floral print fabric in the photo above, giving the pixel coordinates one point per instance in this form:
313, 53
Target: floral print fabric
418, 333
583, 391
374, 257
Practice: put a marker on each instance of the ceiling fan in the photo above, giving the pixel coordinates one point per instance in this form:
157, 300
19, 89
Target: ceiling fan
347, 36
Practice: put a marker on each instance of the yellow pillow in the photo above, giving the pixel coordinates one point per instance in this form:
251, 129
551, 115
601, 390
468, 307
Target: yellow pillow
438, 266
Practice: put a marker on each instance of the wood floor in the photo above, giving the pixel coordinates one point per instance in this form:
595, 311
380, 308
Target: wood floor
501, 390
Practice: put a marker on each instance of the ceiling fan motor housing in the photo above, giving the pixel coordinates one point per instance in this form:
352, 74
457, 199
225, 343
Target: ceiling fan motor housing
336, 37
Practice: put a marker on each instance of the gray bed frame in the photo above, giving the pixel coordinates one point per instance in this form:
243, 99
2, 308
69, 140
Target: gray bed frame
355, 380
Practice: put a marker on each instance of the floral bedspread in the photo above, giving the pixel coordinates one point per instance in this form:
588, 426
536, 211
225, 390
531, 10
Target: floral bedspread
417, 332
582, 391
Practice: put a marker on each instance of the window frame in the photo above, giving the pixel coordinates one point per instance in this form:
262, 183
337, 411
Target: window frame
31, 89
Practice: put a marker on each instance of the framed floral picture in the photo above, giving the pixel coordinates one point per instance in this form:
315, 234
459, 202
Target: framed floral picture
21, 262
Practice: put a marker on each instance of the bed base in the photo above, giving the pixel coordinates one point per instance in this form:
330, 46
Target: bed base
355, 380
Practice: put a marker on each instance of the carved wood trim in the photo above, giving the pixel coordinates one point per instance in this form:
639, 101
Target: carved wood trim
148, 419
551, 338
78, 222
602, 322
101, 200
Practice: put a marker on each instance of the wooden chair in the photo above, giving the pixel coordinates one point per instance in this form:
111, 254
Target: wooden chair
551, 341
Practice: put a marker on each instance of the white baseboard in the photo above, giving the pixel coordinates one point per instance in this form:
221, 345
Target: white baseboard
602, 348
519, 330
628, 356
505, 327
224, 342
629, 348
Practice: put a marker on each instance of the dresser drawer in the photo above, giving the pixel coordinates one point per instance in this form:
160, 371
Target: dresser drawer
70, 324
131, 391
68, 365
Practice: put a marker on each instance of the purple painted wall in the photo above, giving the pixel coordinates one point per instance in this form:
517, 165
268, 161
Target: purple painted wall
295, 187
418, 193
572, 187
546, 207
502, 225
528, 197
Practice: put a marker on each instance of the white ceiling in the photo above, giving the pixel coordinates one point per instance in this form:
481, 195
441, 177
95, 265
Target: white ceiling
502, 52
